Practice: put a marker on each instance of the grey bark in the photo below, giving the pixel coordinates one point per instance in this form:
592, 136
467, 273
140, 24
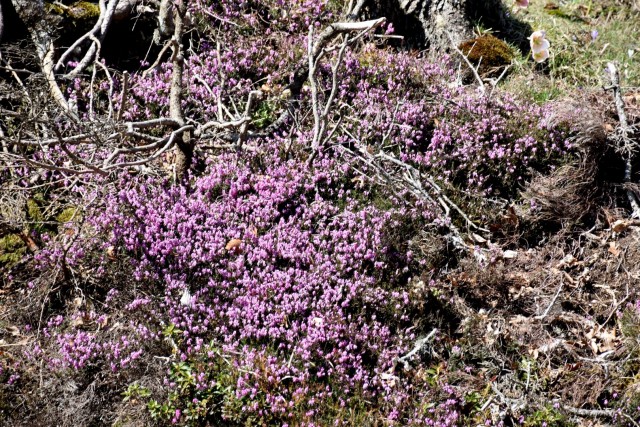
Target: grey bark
184, 154
29, 11
1, 22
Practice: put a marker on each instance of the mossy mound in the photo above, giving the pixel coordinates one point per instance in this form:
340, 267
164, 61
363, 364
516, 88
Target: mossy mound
491, 53
84, 10
74, 19
12, 249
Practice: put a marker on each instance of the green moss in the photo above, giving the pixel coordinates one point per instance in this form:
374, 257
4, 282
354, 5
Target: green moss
33, 211
265, 115
12, 249
78, 11
54, 9
488, 51
67, 215
84, 10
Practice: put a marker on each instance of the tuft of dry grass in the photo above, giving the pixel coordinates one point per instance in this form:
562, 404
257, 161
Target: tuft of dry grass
578, 191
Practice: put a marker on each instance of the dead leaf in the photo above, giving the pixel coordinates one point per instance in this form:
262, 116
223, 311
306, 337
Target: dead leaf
266, 88
613, 249
233, 245
477, 238
111, 253
511, 216
620, 225
607, 340
509, 254
568, 260
13, 330
602, 340
389, 379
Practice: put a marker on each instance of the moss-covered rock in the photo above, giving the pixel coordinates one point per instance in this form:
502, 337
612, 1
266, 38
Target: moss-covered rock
489, 51
74, 19
79, 11
84, 10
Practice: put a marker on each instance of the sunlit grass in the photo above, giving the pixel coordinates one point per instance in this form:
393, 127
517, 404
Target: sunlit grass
584, 36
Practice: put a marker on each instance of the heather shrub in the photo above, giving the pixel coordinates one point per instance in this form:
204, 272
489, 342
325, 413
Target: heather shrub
268, 287
265, 284
485, 144
273, 289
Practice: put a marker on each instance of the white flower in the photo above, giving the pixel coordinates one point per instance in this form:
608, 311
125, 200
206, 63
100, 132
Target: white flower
186, 299
541, 56
538, 41
539, 45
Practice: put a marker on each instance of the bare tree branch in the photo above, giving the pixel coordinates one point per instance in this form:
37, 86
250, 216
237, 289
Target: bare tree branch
627, 145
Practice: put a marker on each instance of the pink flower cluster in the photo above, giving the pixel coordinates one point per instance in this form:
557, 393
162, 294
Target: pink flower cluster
278, 290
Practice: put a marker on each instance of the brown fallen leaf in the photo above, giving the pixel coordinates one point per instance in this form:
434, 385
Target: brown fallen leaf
619, 226
478, 238
608, 340
233, 245
13, 330
567, 261
613, 249
77, 322
111, 253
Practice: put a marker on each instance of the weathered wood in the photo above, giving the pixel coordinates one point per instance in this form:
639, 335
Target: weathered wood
29, 11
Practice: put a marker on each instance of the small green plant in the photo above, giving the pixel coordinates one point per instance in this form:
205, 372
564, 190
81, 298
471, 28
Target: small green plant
200, 388
547, 417
135, 391
473, 401
264, 115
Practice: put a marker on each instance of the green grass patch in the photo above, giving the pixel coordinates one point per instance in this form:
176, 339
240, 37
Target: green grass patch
584, 36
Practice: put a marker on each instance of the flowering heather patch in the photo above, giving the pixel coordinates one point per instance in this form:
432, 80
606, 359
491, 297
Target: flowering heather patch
291, 306
271, 284
458, 135
247, 48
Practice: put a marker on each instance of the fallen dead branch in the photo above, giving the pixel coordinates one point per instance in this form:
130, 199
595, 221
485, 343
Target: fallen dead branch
626, 144
417, 348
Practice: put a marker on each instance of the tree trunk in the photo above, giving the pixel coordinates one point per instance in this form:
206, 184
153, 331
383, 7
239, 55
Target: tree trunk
29, 11
184, 153
439, 24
